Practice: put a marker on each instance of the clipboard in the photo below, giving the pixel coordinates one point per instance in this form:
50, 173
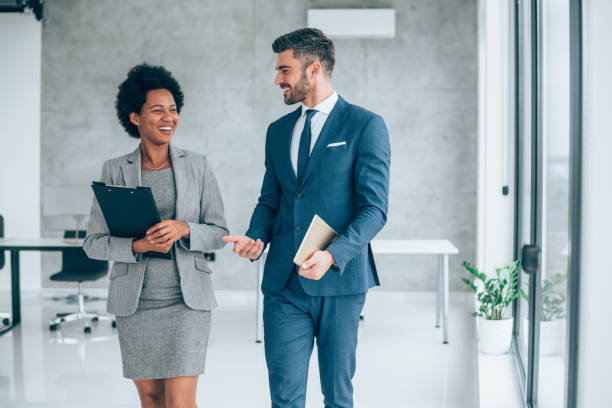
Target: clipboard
318, 237
129, 212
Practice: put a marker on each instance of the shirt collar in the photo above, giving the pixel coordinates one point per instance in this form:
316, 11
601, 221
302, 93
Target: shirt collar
325, 106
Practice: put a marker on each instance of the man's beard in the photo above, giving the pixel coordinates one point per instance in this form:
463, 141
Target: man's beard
299, 91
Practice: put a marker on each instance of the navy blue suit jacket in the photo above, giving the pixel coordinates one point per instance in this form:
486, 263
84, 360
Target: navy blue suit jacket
347, 185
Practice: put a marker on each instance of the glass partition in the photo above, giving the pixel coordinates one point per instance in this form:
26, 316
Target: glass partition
555, 118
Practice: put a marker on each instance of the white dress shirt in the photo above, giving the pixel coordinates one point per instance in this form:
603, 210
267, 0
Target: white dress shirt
316, 124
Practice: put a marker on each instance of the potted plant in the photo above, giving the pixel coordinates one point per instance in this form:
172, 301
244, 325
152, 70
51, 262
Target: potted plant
552, 318
494, 294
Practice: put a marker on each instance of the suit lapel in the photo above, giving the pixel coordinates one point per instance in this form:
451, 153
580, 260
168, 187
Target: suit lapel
131, 169
180, 178
332, 126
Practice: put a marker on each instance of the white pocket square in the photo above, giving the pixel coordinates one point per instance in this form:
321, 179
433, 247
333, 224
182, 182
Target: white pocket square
336, 144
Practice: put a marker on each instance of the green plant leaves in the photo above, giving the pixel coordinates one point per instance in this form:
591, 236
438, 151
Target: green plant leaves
497, 292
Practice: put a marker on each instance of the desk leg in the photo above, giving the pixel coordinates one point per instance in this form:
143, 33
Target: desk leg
259, 317
15, 293
15, 287
439, 290
446, 296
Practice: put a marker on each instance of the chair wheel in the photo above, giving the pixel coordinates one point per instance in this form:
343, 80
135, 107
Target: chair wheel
6, 321
53, 327
87, 329
94, 319
114, 324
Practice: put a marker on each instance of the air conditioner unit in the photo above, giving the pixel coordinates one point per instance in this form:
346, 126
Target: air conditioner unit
20, 6
353, 23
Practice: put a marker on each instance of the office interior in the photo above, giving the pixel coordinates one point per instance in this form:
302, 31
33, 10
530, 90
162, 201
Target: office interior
498, 114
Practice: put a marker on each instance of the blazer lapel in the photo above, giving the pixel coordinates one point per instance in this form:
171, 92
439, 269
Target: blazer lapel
332, 126
180, 178
131, 169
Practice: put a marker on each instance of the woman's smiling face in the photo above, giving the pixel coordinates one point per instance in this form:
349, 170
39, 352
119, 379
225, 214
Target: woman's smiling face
158, 117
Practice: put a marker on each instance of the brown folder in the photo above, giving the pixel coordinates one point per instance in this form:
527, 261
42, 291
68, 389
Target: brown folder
318, 237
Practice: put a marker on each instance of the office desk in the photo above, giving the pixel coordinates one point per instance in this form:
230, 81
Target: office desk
15, 246
441, 247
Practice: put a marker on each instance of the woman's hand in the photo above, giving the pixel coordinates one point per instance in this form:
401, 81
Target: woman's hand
167, 231
145, 245
161, 236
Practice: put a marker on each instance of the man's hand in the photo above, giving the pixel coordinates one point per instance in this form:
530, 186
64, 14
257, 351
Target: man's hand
316, 266
244, 246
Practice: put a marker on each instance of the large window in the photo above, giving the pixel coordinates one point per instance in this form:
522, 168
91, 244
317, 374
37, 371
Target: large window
545, 113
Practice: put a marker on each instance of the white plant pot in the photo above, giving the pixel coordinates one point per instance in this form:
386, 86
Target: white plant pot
494, 336
552, 337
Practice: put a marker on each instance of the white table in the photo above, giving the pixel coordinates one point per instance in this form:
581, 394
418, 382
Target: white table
441, 247
17, 245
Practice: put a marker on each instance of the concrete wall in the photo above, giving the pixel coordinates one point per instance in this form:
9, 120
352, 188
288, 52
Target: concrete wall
423, 82
20, 42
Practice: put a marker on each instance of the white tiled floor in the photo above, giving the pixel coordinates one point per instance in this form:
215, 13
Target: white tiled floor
401, 360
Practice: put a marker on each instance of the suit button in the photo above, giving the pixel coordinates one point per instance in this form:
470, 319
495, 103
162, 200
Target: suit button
298, 196
298, 227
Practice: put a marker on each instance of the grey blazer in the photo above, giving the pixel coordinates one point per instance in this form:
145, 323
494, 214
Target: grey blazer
198, 203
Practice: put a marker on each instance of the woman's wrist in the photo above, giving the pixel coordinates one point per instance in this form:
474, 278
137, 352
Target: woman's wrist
187, 231
137, 247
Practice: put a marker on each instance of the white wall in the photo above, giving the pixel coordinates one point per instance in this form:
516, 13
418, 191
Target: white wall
497, 386
595, 333
20, 47
495, 136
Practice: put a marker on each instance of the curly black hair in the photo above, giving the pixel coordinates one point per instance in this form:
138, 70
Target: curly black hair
133, 92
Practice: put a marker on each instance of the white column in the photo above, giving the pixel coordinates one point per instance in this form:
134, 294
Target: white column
20, 42
498, 386
495, 228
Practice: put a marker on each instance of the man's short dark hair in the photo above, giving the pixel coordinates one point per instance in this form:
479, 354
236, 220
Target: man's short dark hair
308, 45
133, 92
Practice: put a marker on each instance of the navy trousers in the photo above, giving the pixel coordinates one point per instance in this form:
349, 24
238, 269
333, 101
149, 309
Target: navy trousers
292, 321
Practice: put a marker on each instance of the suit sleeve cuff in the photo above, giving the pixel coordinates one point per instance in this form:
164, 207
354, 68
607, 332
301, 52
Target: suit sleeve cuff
123, 248
337, 254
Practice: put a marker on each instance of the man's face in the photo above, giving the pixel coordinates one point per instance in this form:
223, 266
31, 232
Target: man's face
292, 77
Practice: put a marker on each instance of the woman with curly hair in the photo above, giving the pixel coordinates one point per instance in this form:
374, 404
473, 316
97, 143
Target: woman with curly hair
162, 306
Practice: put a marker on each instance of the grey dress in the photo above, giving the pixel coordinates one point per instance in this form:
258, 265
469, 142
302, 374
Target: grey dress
164, 338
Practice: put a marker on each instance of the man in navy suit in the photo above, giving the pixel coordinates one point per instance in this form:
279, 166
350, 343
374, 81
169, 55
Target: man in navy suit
329, 158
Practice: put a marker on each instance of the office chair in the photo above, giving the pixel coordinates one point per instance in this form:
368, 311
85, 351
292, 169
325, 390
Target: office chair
73, 298
77, 267
6, 317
